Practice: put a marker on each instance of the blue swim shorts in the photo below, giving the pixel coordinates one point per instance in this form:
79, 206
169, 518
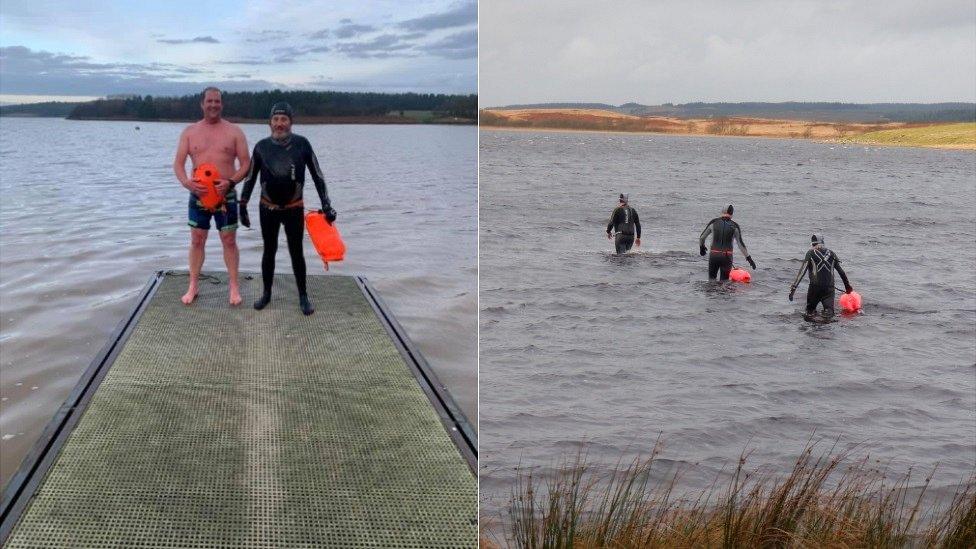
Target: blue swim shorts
225, 217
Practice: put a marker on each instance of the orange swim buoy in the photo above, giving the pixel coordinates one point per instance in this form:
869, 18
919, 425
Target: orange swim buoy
740, 275
207, 174
850, 302
325, 237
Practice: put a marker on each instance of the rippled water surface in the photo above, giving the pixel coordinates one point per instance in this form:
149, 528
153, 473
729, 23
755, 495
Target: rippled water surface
578, 344
88, 210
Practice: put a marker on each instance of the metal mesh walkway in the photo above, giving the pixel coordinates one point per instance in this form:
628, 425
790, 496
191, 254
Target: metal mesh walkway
220, 427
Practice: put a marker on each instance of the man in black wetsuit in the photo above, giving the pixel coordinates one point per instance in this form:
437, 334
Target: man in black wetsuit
281, 161
624, 221
723, 231
820, 263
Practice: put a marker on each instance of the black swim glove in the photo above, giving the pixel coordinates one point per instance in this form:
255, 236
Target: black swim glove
751, 262
792, 291
702, 250
330, 214
242, 211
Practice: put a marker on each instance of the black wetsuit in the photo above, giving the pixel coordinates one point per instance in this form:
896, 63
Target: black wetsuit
282, 166
624, 220
821, 263
723, 231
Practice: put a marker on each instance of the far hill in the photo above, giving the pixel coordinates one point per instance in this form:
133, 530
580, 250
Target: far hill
50, 109
916, 134
792, 110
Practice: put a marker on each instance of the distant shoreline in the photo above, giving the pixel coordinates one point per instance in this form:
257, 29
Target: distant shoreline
299, 120
956, 136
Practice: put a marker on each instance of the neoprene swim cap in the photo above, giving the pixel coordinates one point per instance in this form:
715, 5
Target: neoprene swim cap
816, 240
727, 210
281, 107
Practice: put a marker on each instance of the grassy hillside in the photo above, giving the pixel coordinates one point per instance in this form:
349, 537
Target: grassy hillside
961, 135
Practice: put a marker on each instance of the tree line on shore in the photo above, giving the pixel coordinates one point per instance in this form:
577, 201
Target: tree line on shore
256, 105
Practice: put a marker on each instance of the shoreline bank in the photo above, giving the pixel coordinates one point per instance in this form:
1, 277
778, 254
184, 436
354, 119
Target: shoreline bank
953, 136
316, 120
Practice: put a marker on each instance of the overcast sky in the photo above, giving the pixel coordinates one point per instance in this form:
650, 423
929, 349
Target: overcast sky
653, 52
97, 47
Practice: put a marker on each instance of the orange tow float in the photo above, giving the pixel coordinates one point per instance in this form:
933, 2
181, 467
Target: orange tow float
208, 174
325, 237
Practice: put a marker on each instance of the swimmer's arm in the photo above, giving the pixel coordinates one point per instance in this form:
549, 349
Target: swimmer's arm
251, 177
179, 163
317, 177
843, 275
613, 220
737, 234
243, 160
705, 233
803, 270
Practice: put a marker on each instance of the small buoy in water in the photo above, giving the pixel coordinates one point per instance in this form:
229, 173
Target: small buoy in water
851, 302
739, 275
137, 127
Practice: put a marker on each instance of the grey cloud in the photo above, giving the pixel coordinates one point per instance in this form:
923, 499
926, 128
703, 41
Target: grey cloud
461, 45
350, 29
760, 50
319, 35
265, 36
412, 35
198, 39
244, 62
27, 72
344, 21
406, 80
458, 16
381, 47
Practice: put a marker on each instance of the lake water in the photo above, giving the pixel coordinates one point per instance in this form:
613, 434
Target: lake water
579, 344
89, 210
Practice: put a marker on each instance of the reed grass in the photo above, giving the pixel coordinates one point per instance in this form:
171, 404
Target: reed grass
828, 499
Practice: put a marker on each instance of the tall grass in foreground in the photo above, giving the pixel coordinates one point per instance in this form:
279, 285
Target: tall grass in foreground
827, 500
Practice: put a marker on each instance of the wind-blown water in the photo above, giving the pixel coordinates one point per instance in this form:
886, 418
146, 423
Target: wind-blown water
88, 210
578, 344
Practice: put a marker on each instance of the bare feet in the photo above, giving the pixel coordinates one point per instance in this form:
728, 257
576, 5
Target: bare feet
190, 295
235, 296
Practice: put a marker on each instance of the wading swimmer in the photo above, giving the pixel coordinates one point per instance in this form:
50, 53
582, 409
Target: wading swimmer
723, 231
281, 160
215, 141
625, 222
820, 263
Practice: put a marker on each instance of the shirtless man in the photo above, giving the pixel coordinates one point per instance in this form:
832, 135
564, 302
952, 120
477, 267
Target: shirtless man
218, 142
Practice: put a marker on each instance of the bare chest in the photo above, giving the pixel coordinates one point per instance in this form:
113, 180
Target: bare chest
211, 144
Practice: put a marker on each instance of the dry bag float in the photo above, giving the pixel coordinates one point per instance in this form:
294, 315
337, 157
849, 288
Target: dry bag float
208, 174
850, 302
739, 275
325, 237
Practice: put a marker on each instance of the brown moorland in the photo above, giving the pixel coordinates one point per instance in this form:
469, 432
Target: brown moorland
608, 121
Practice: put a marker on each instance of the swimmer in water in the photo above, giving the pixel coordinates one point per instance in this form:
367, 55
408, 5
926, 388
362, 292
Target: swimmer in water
821, 264
625, 222
723, 231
